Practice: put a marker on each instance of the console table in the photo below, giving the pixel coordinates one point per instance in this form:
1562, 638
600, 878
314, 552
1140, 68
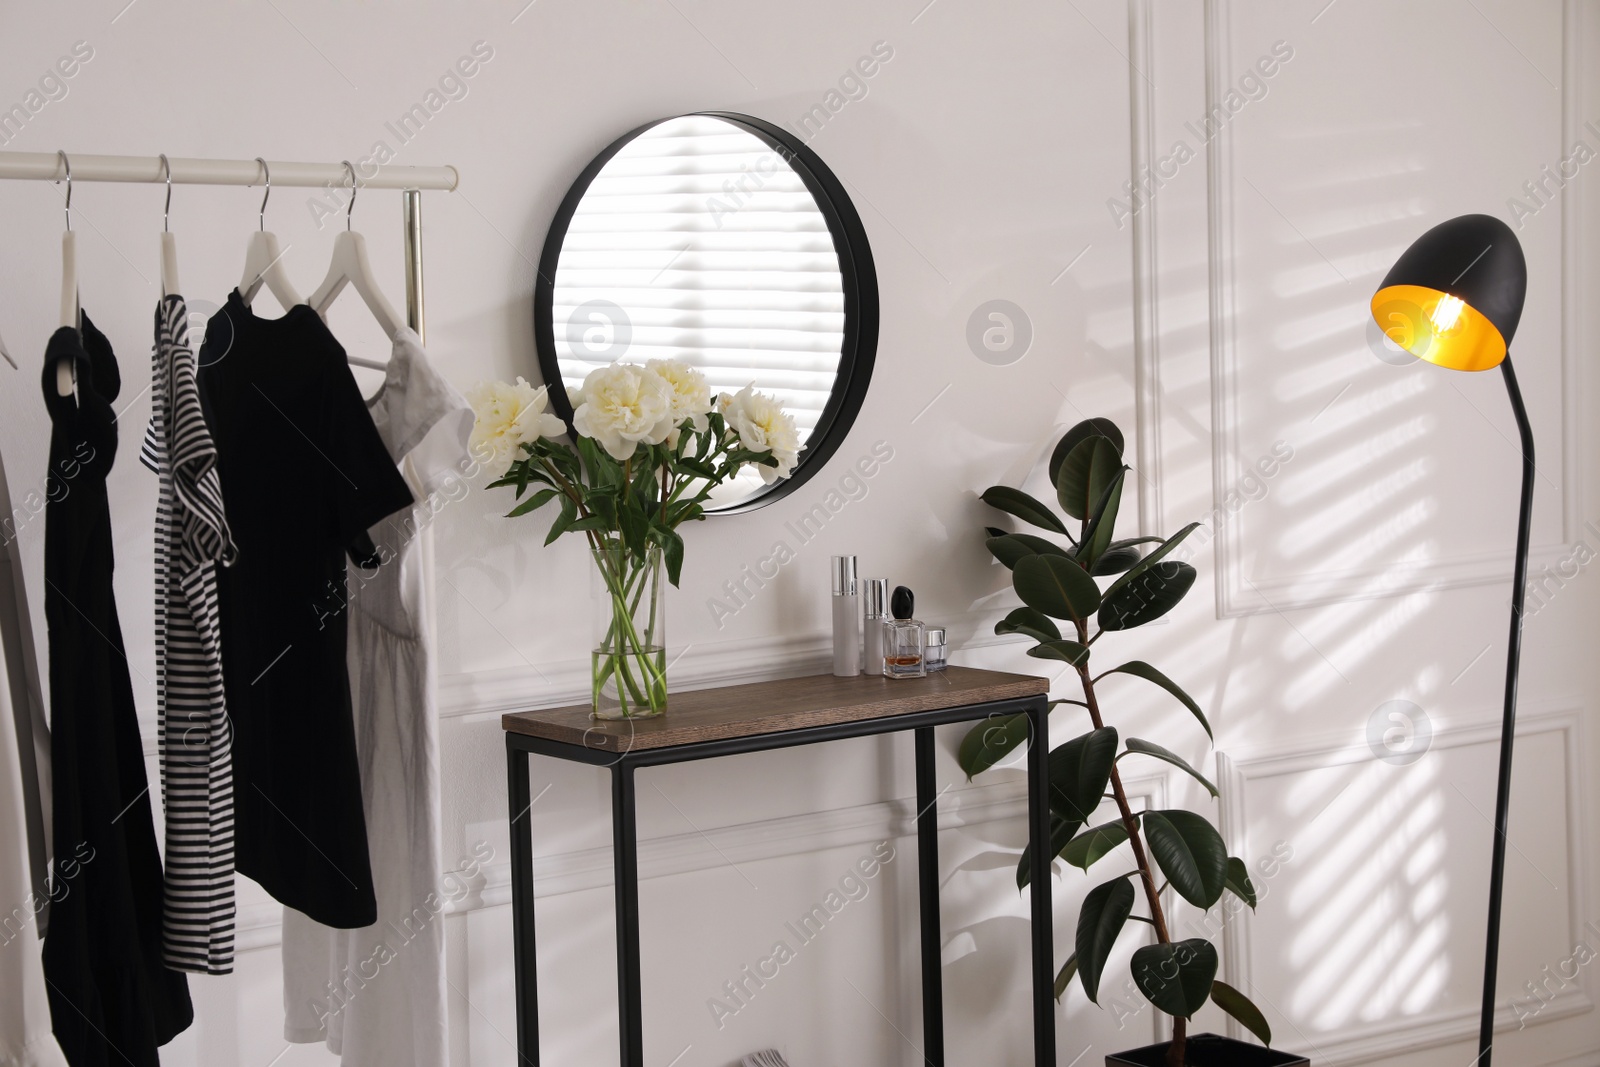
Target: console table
782, 714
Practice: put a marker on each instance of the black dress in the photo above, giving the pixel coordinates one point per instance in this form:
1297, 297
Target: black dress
111, 1000
304, 474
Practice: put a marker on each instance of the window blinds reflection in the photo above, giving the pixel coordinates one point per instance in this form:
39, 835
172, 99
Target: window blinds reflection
698, 242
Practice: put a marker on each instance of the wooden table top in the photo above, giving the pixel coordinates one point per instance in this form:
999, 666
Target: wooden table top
773, 707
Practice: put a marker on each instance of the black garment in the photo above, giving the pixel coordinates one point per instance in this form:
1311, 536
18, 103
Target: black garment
111, 1000
304, 473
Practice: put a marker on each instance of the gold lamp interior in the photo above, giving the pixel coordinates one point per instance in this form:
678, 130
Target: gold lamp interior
1438, 327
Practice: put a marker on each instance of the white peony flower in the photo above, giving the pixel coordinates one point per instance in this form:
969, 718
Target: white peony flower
691, 396
507, 415
762, 424
623, 405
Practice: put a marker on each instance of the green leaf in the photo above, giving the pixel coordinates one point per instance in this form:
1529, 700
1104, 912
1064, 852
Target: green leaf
694, 468
1065, 651
1149, 748
1152, 559
1056, 586
1061, 831
1091, 845
1084, 475
587, 523
1154, 594
1097, 427
1190, 853
1105, 911
1097, 538
533, 503
1239, 883
1064, 976
1016, 502
635, 528
1141, 669
1239, 1006
569, 515
1114, 560
671, 551
1036, 625
1079, 771
1176, 977
990, 742
1009, 548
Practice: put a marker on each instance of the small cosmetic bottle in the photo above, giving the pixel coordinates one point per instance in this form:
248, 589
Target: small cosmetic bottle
935, 655
904, 638
846, 618
875, 604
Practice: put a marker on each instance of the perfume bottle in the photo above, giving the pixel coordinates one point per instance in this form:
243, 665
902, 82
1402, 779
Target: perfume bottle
875, 601
935, 653
846, 618
904, 638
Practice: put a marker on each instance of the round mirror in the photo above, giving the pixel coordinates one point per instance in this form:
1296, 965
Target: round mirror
722, 241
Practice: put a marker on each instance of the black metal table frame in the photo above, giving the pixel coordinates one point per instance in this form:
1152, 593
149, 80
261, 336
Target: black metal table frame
625, 858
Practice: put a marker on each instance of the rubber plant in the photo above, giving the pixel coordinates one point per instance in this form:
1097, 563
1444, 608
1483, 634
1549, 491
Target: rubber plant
1066, 612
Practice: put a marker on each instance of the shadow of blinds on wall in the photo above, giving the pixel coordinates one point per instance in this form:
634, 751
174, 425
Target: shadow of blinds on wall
698, 242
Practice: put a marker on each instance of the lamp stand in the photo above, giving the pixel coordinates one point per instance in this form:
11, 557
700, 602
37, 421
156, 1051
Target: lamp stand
1508, 728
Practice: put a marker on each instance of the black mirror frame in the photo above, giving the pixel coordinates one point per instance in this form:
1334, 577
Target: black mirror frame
858, 279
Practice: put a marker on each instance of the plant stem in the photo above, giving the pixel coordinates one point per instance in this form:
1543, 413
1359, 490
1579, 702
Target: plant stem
1158, 919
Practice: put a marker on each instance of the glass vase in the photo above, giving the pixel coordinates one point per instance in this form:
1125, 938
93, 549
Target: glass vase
629, 661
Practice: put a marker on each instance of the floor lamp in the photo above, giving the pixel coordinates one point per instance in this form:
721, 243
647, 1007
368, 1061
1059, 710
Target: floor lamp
1454, 299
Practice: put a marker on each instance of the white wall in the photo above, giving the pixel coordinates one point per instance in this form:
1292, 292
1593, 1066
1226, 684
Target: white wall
1228, 314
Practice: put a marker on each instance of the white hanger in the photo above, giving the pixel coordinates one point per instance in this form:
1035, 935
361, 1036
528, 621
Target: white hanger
352, 266
169, 243
263, 260
66, 371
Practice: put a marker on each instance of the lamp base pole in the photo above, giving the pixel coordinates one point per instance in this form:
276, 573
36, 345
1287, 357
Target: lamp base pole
1508, 727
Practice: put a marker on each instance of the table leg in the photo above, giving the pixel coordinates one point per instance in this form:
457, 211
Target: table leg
522, 928
625, 860
1044, 1016
928, 885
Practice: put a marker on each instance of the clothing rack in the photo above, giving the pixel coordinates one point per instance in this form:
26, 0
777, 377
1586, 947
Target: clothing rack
48, 167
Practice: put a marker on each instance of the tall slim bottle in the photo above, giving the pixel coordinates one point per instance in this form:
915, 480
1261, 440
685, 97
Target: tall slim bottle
875, 609
846, 618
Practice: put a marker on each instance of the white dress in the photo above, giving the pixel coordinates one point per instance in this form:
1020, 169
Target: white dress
25, 1036
376, 995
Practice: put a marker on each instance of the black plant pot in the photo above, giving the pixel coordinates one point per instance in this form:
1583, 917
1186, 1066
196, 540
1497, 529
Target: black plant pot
1209, 1050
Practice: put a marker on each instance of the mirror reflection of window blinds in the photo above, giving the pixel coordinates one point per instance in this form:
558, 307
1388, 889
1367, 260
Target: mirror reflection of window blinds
698, 242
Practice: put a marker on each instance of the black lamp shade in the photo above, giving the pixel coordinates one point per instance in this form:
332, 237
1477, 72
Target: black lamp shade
1454, 297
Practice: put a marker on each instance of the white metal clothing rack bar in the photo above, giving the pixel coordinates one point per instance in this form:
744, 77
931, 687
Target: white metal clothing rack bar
48, 167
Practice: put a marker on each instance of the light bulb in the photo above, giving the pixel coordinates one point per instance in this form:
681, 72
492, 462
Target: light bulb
1447, 313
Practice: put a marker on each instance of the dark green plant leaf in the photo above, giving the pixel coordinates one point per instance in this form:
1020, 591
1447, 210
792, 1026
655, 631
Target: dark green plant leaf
1097, 538
1064, 976
569, 515
1148, 748
1035, 624
1061, 831
1141, 669
1152, 559
995, 531
1190, 853
1056, 586
990, 742
1088, 847
1098, 427
1152, 595
1065, 651
1239, 1006
537, 500
635, 527
1176, 977
1009, 548
671, 550
588, 523
1016, 502
1105, 911
1084, 475
1079, 771
1114, 560
1239, 883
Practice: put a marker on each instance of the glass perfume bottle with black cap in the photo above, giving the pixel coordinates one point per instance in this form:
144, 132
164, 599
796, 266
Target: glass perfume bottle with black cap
904, 638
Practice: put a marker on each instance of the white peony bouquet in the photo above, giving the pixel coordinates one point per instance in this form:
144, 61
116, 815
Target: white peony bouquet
652, 442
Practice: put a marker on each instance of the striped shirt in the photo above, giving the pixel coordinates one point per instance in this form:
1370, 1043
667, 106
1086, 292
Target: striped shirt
195, 736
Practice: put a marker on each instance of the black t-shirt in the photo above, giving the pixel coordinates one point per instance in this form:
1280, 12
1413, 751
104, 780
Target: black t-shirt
304, 474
